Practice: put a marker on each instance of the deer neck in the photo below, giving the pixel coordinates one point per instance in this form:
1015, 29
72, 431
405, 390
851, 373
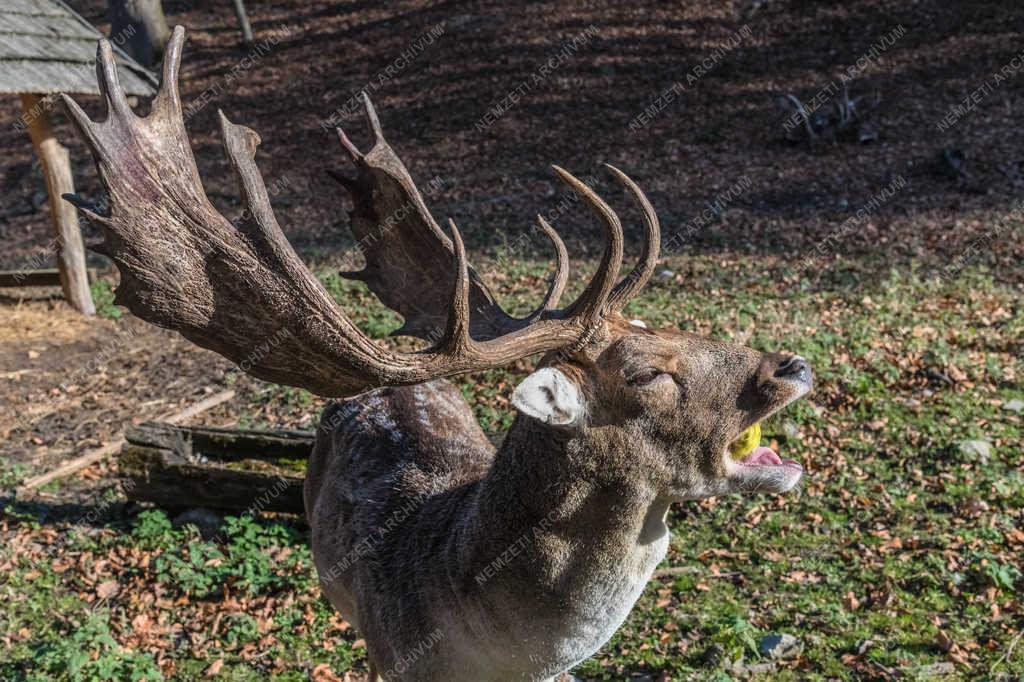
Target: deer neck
584, 509
566, 529
541, 471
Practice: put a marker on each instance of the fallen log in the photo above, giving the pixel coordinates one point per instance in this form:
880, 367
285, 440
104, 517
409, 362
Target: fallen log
195, 466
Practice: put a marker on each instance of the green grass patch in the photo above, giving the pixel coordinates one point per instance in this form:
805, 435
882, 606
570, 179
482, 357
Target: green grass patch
901, 551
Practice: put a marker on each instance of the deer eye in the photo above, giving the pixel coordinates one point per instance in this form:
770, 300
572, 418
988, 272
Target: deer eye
645, 376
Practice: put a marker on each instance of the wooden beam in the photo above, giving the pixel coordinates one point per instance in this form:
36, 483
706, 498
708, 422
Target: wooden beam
226, 444
42, 277
49, 277
57, 170
166, 478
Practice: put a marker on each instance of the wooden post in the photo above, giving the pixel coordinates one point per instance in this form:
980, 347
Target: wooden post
243, 22
67, 236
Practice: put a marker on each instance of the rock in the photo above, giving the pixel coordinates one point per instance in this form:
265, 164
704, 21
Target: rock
713, 655
1015, 405
780, 647
206, 521
744, 671
940, 669
976, 449
666, 274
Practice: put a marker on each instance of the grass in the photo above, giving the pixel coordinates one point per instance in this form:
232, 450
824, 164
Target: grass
901, 551
103, 298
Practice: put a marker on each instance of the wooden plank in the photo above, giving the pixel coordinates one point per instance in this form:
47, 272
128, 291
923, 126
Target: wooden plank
41, 277
31, 7
26, 75
22, 46
56, 163
49, 277
182, 466
77, 464
20, 75
52, 26
225, 444
46, 47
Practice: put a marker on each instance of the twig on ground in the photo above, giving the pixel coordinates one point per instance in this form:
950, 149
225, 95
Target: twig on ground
670, 571
94, 456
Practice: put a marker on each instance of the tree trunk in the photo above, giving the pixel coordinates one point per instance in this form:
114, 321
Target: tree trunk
140, 29
67, 236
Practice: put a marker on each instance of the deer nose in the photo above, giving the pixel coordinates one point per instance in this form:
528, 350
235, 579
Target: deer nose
793, 367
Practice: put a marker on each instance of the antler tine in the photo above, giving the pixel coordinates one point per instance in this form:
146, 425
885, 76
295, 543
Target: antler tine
90, 209
342, 179
632, 283
592, 302
168, 93
352, 150
558, 279
227, 285
561, 276
110, 82
371, 118
372, 121
83, 124
456, 339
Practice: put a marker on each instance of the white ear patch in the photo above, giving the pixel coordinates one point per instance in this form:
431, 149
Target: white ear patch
638, 323
550, 396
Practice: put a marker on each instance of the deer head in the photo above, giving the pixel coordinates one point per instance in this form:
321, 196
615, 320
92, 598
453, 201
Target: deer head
231, 285
680, 399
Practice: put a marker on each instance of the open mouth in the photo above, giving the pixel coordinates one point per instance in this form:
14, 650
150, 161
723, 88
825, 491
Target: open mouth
748, 451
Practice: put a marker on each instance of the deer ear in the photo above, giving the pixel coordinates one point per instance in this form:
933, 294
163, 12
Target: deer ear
551, 397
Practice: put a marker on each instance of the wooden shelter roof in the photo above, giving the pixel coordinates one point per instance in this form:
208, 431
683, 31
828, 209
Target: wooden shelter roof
45, 47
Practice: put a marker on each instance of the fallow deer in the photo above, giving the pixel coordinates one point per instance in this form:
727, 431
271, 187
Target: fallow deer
455, 560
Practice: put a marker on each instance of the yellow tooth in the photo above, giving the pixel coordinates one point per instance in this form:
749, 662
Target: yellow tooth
746, 443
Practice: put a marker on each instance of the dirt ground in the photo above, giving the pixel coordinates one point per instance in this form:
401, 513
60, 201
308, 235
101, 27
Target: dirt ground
482, 97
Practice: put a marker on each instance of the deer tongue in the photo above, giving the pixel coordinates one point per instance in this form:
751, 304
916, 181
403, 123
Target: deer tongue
764, 456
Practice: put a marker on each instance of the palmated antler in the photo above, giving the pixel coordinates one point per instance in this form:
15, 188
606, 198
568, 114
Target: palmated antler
240, 290
407, 254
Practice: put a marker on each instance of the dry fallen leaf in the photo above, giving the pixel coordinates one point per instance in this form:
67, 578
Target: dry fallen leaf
108, 589
323, 673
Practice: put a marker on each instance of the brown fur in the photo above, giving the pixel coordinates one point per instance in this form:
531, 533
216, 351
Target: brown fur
493, 564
